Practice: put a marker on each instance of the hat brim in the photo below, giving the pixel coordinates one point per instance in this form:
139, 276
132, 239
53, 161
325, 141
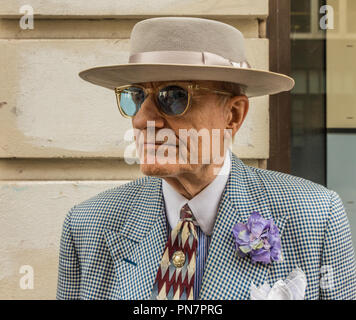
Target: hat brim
258, 82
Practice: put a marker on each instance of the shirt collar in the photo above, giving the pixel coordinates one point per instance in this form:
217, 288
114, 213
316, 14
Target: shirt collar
204, 205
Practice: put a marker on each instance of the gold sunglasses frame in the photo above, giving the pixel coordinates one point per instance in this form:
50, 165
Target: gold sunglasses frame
191, 88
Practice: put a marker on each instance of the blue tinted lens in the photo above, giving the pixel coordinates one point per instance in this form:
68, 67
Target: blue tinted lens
131, 100
173, 100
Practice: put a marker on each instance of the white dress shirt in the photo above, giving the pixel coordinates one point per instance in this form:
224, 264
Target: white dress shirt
204, 205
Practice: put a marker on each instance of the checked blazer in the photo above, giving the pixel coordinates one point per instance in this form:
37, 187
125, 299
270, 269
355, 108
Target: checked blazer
112, 243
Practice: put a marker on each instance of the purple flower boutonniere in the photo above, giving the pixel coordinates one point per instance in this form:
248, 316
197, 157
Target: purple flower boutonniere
259, 238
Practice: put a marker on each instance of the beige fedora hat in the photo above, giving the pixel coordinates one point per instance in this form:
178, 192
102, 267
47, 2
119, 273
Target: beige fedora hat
184, 48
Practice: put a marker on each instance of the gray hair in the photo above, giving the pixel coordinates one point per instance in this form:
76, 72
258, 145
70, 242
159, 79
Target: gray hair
235, 88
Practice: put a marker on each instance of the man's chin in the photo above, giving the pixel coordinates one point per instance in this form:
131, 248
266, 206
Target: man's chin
163, 170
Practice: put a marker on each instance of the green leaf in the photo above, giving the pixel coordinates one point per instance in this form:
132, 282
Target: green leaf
245, 249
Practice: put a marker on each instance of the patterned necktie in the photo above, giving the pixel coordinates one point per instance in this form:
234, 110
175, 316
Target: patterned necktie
175, 276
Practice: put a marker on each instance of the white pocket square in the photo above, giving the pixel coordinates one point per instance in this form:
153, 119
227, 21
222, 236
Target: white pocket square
293, 288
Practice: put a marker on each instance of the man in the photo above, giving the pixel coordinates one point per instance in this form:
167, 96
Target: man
169, 235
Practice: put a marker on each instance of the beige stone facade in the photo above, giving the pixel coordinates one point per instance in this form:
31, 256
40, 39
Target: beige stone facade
62, 139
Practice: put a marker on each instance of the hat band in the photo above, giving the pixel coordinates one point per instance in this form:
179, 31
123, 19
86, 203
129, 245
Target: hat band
186, 57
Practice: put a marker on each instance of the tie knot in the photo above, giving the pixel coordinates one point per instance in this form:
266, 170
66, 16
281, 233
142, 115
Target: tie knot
186, 214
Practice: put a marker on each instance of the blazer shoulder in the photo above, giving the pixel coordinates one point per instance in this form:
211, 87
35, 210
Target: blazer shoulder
301, 199
276, 181
294, 194
111, 203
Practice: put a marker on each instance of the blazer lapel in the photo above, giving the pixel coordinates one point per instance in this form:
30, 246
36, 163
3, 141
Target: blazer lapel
137, 247
227, 276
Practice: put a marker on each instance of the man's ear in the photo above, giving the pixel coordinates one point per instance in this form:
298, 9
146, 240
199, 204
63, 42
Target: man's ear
237, 109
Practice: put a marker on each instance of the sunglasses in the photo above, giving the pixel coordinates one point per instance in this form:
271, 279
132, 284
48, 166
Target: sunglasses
172, 99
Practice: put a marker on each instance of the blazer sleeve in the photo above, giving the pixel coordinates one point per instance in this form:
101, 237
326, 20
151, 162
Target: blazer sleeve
68, 285
338, 269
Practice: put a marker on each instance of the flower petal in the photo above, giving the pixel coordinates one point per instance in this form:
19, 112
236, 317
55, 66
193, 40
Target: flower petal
257, 224
273, 235
257, 244
261, 255
240, 253
245, 249
240, 234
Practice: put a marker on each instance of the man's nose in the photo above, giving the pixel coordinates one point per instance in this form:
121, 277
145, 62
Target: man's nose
148, 112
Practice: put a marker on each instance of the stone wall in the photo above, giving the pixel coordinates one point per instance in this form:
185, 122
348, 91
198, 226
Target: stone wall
61, 139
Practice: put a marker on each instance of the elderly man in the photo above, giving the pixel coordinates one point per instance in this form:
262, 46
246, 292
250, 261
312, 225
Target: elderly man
201, 224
